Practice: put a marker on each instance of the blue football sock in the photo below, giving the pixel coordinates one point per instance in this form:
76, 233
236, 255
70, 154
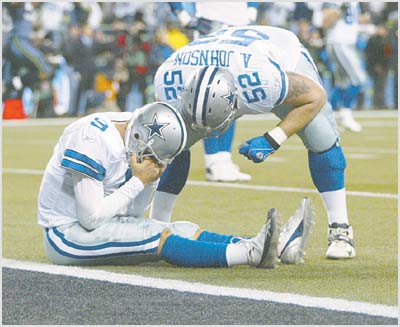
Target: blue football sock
184, 252
207, 236
350, 96
225, 140
327, 168
336, 97
222, 142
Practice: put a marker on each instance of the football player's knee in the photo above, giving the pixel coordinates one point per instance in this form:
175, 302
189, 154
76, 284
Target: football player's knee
185, 229
164, 235
174, 177
327, 168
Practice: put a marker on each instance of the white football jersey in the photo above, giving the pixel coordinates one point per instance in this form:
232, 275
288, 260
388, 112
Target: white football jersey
257, 56
345, 30
91, 146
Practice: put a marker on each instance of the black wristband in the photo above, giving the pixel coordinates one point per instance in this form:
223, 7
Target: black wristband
271, 141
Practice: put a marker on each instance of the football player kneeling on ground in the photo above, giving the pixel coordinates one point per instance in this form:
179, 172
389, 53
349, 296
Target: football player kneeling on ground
101, 179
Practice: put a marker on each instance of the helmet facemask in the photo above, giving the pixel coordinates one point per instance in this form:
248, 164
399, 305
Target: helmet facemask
155, 131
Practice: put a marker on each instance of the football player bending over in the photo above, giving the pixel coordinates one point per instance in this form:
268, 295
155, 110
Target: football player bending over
101, 178
248, 70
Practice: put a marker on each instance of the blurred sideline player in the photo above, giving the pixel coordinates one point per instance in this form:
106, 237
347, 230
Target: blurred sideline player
24, 65
100, 180
340, 22
261, 69
204, 18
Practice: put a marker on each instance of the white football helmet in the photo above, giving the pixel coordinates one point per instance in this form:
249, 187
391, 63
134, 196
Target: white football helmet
209, 99
156, 130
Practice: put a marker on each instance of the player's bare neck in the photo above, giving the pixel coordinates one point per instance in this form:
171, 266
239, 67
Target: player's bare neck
121, 127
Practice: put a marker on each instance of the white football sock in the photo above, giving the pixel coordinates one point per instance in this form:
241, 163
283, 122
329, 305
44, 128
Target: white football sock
225, 155
162, 206
335, 204
236, 254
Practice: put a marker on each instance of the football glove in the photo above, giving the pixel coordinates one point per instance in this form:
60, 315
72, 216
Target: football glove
258, 148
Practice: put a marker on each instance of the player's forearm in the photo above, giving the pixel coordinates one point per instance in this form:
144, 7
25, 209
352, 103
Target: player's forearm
93, 208
299, 117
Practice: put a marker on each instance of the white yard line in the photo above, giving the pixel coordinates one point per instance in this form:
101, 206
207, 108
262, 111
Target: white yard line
286, 189
235, 185
199, 288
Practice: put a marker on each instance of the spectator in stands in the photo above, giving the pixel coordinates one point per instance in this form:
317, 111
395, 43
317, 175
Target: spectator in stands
137, 56
378, 56
80, 52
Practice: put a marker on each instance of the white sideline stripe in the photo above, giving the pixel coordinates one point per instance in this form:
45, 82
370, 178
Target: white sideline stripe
237, 186
23, 171
65, 121
199, 288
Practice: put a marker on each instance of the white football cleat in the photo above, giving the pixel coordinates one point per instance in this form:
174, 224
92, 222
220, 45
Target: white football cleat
262, 250
341, 242
344, 119
225, 171
241, 177
295, 233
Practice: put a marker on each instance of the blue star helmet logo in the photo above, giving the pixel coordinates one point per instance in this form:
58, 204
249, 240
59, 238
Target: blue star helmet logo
229, 97
155, 128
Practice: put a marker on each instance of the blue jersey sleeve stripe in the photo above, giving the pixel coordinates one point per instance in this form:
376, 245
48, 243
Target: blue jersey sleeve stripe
104, 245
253, 5
81, 169
283, 94
85, 159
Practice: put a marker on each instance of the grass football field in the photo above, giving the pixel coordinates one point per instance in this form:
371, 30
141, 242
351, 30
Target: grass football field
240, 208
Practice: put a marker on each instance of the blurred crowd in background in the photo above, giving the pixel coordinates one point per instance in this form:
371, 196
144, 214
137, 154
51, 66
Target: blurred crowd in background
103, 55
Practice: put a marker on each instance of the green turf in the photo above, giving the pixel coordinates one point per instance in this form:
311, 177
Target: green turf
372, 167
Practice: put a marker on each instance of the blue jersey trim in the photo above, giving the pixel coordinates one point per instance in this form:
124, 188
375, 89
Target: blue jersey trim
66, 163
104, 245
283, 78
312, 64
85, 159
